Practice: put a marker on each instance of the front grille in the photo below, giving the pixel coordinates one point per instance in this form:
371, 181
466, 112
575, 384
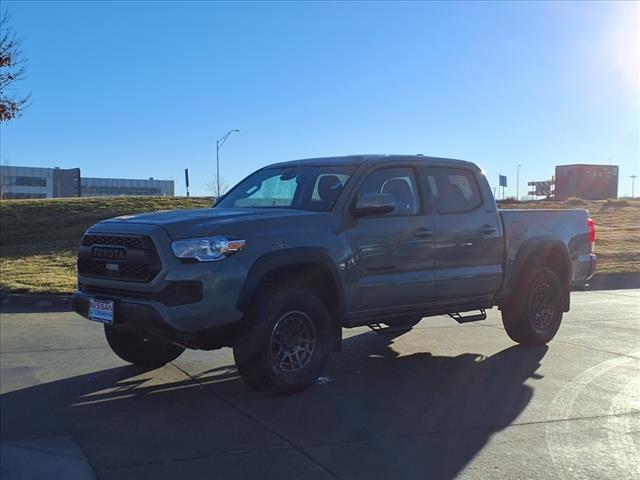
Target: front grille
126, 271
134, 243
141, 263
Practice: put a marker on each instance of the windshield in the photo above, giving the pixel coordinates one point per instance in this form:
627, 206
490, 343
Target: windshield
303, 187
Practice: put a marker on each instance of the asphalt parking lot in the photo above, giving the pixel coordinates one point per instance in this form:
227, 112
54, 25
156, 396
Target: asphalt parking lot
441, 401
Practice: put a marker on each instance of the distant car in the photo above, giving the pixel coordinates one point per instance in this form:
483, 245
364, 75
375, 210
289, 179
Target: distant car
299, 250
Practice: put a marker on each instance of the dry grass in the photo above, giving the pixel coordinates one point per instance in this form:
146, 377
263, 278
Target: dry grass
39, 238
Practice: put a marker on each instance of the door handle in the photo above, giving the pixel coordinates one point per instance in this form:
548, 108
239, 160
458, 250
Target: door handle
487, 229
423, 232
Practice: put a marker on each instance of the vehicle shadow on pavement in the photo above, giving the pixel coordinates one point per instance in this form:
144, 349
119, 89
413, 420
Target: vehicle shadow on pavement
378, 414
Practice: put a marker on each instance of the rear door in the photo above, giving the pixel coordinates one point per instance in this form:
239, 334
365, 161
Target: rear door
468, 239
393, 254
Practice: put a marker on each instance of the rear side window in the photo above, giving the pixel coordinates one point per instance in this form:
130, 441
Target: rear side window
455, 189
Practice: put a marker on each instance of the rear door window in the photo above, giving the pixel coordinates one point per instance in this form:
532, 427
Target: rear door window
455, 189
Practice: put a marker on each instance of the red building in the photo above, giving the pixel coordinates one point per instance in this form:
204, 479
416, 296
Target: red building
591, 182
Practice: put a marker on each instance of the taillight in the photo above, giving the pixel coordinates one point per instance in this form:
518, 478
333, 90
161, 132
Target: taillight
592, 233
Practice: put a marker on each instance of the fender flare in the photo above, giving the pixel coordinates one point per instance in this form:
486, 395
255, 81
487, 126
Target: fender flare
289, 257
534, 247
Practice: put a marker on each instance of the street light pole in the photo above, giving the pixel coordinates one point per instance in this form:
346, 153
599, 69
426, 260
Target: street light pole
633, 186
219, 144
518, 181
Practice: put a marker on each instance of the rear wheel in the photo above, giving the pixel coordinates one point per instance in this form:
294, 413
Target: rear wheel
534, 315
139, 351
287, 346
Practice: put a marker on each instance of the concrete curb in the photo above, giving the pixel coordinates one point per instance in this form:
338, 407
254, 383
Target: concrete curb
614, 281
21, 302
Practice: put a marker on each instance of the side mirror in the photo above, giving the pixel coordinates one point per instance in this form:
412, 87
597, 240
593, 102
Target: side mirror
374, 204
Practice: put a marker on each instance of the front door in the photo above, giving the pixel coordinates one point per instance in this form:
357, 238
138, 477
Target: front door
392, 254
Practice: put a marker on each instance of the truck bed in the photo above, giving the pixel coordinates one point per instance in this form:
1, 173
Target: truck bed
528, 228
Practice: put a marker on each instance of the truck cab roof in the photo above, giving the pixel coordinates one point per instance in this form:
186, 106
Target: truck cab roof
371, 159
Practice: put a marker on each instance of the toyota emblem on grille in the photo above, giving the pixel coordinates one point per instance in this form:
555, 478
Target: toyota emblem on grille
109, 253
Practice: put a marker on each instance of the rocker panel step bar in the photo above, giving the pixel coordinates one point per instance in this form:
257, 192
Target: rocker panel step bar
469, 318
382, 329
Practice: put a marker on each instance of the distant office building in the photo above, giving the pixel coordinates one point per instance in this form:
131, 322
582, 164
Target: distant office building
108, 187
66, 182
591, 182
32, 182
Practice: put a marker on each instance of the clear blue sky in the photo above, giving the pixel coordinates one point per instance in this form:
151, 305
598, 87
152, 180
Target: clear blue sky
136, 90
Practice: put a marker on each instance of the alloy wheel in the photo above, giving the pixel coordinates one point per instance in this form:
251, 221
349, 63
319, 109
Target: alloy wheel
542, 306
293, 341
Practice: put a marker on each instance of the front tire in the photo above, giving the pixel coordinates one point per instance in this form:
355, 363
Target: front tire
138, 351
288, 343
534, 315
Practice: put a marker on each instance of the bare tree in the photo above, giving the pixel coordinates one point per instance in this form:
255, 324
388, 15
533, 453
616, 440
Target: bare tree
212, 187
4, 180
13, 68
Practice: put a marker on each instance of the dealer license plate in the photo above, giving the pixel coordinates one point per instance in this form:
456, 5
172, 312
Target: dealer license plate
101, 310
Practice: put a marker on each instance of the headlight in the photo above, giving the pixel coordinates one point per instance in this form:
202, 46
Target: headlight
210, 249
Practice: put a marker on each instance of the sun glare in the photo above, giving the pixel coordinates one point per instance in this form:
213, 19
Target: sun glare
622, 43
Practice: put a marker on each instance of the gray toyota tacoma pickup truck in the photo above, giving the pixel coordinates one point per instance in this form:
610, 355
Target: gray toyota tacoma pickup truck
299, 250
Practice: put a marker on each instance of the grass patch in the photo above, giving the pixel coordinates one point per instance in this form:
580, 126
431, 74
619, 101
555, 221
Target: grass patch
616, 202
510, 201
574, 201
39, 238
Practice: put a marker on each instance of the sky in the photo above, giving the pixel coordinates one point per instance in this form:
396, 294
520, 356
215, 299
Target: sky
144, 89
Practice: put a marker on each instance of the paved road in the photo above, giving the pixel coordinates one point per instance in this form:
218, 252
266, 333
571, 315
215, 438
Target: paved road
440, 402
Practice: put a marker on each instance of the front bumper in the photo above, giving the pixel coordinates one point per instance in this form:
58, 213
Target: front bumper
128, 315
149, 321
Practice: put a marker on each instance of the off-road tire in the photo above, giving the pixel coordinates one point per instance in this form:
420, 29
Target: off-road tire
288, 342
138, 351
534, 314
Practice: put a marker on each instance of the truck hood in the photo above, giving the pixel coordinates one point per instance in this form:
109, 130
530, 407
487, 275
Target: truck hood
210, 221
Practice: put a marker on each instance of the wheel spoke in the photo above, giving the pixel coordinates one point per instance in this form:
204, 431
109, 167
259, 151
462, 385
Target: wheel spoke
541, 306
293, 341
